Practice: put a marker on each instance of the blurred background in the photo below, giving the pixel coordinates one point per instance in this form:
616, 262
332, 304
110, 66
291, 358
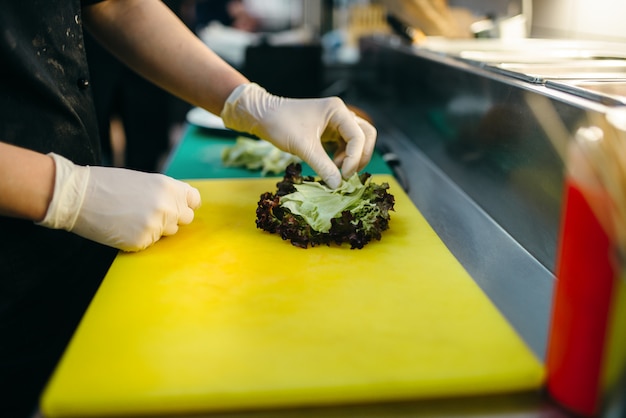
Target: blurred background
308, 48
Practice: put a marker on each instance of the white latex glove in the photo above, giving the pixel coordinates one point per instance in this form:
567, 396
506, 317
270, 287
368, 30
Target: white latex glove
126, 209
302, 127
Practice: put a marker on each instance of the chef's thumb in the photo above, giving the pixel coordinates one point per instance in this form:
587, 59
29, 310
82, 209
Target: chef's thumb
192, 202
193, 198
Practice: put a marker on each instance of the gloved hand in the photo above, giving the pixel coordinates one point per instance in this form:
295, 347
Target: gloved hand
121, 208
303, 127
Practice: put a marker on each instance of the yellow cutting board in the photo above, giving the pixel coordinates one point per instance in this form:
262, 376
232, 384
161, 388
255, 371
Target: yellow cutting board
224, 316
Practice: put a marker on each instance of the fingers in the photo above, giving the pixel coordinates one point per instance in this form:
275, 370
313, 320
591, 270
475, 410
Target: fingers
359, 137
321, 163
351, 132
187, 200
170, 228
191, 202
193, 198
370, 141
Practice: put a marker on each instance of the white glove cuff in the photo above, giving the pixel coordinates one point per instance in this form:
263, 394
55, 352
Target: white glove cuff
243, 107
70, 184
234, 95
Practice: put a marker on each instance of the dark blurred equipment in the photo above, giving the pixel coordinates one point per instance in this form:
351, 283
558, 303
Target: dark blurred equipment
142, 107
210, 10
286, 70
147, 112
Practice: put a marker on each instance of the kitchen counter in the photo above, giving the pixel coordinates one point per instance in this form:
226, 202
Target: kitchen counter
501, 228
200, 146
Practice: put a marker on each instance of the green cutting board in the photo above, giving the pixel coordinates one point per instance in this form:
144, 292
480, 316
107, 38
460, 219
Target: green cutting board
223, 316
198, 156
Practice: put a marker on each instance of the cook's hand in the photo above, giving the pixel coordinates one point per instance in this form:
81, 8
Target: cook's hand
302, 127
125, 209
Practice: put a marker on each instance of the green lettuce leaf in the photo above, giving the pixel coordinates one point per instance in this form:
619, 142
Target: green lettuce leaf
318, 204
256, 154
308, 213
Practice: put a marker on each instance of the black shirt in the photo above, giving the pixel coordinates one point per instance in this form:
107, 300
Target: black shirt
47, 277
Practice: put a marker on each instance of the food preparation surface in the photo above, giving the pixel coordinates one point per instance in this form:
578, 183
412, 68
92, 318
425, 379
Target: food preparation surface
198, 156
223, 316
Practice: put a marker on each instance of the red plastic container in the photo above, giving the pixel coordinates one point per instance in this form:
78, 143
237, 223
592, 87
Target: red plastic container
586, 277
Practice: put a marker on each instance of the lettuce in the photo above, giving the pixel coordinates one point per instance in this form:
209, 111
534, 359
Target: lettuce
318, 204
256, 154
307, 212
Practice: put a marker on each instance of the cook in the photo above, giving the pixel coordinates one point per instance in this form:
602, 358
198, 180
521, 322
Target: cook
63, 217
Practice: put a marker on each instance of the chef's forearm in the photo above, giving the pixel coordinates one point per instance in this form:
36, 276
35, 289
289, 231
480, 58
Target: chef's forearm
26, 182
151, 39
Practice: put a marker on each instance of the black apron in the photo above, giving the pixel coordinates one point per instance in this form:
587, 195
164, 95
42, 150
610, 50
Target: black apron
47, 277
